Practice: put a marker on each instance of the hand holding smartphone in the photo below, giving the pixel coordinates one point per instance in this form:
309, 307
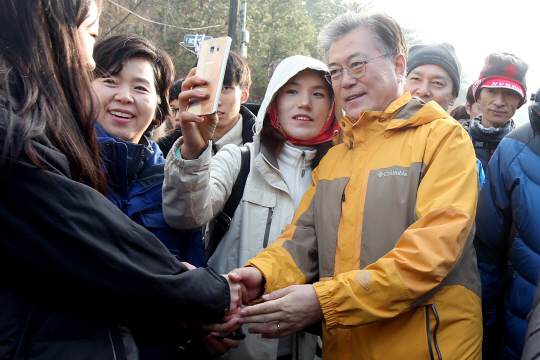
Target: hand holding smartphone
211, 67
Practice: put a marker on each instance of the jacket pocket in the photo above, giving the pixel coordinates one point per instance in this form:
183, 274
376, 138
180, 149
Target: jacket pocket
254, 232
260, 197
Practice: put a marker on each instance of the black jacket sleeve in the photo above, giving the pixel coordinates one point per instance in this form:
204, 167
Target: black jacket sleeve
166, 142
65, 243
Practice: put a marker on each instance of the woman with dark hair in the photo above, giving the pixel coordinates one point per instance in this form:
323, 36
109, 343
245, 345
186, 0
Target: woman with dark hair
293, 130
75, 272
132, 80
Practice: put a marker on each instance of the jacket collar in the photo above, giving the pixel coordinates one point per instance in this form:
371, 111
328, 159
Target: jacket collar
479, 133
123, 160
406, 111
233, 136
292, 155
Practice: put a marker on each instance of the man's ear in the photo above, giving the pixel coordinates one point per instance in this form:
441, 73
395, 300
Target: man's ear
453, 102
400, 64
468, 108
245, 95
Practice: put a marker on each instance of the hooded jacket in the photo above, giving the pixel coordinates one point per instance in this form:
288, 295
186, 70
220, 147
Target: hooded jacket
135, 179
196, 190
73, 268
385, 232
508, 235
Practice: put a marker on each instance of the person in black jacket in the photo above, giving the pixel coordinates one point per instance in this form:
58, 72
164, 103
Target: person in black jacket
236, 121
75, 272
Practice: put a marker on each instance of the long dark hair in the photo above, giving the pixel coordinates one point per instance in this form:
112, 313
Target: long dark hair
111, 53
44, 81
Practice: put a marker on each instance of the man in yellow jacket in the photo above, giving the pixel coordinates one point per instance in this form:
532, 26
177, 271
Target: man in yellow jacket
383, 237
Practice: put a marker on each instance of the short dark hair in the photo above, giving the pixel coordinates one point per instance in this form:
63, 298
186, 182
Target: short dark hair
175, 90
470, 96
237, 71
384, 28
111, 53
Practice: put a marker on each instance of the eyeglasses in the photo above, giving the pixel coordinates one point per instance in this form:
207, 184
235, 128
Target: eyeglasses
356, 69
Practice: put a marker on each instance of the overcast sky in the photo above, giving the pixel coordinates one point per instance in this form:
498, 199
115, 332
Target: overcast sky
476, 28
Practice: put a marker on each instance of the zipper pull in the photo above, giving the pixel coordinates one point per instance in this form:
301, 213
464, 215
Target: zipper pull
303, 163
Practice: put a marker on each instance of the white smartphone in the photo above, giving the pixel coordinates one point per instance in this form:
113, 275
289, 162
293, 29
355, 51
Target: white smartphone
211, 67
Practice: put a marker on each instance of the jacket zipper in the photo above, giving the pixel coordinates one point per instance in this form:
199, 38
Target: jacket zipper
112, 343
303, 163
434, 335
267, 230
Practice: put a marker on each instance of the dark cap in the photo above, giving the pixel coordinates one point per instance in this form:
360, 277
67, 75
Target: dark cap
443, 55
503, 70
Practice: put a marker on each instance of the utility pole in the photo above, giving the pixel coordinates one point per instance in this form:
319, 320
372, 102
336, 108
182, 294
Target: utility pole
233, 23
244, 34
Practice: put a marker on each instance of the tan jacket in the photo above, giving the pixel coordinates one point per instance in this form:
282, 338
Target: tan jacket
196, 190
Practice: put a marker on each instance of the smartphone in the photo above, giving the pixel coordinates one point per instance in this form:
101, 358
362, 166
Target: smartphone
211, 67
236, 335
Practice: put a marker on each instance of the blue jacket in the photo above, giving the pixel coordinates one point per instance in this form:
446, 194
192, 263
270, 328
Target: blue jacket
508, 233
135, 177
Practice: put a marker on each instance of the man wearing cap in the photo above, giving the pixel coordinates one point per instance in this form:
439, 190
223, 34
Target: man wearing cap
508, 237
433, 73
499, 91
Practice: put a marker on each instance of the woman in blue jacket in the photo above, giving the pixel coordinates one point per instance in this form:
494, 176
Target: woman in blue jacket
132, 81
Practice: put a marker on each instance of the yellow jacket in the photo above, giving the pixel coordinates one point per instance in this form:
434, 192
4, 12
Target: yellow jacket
385, 234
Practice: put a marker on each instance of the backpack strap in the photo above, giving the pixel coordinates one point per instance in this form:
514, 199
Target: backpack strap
485, 144
223, 220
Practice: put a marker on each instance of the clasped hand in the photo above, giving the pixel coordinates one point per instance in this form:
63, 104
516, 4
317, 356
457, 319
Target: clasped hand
284, 311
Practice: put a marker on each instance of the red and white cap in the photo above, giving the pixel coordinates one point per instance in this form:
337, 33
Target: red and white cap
503, 70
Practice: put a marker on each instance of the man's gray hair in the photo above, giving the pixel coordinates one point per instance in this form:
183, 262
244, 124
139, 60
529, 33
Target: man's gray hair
390, 38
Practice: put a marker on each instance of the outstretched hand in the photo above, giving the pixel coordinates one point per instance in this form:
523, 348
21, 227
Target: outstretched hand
236, 296
196, 130
251, 282
232, 320
287, 311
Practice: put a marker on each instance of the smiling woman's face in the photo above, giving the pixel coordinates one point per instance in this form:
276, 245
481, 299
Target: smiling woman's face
128, 100
303, 104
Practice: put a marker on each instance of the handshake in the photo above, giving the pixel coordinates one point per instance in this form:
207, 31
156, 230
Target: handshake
282, 312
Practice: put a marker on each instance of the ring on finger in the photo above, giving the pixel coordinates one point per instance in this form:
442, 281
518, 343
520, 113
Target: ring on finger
278, 327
